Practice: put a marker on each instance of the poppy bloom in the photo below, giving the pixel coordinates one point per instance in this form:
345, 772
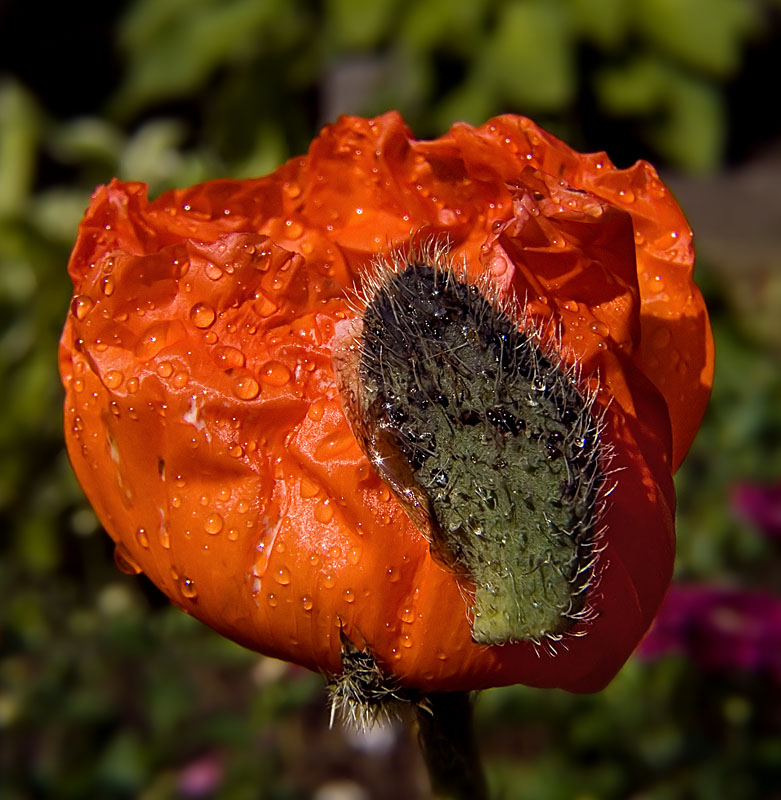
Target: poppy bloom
406, 408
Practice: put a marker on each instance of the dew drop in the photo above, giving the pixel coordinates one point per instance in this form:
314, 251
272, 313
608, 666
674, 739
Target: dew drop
246, 387
354, 555
661, 339
213, 272
406, 642
407, 615
113, 379
324, 511
349, 596
81, 306
165, 369
188, 588
230, 357
142, 538
107, 286
599, 328
283, 576
213, 524
294, 229
274, 373
328, 580
202, 315
307, 603
272, 600
124, 561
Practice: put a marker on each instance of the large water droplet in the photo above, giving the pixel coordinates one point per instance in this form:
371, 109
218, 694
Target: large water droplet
213, 272
324, 511
229, 357
187, 586
124, 561
283, 576
246, 387
213, 524
407, 615
81, 306
113, 379
202, 315
274, 373
307, 603
107, 285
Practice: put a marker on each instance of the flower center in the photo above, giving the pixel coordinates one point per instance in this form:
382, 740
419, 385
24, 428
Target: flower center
488, 443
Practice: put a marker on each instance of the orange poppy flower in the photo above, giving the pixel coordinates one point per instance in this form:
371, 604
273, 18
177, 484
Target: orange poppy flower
209, 429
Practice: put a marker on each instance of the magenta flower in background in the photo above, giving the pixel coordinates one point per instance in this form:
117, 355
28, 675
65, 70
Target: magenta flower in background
719, 628
759, 505
200, 778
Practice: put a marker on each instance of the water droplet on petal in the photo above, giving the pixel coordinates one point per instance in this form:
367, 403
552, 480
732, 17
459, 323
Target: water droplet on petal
294, 229
407, 615
124, 561
113, 379
349, 596
202, 315
81, 306
230, 357
324, 511
661, 339
246, 387
274, 373
213, 524
283, 576
142, 538
107, 285
307, 603
187, 586
213, 272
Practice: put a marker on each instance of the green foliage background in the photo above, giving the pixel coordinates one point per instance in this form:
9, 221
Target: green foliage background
105, 691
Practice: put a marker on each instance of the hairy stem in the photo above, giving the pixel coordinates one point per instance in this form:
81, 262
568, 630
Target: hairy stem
447, 739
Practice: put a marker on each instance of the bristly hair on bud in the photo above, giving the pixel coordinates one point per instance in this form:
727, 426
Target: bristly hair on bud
468, 411
363, 696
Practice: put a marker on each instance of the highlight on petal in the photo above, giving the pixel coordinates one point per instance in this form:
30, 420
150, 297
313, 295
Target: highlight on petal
284, 484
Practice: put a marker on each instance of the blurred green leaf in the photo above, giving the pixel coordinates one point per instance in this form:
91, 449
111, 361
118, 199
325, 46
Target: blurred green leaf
606, 23
357, 25
706, 35
529, 59
173, 46
20, 130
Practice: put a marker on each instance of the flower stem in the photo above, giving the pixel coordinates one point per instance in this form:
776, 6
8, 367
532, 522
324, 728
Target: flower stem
447, 739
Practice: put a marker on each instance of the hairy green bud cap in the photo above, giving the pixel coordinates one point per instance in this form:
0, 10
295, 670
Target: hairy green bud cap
488, 442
